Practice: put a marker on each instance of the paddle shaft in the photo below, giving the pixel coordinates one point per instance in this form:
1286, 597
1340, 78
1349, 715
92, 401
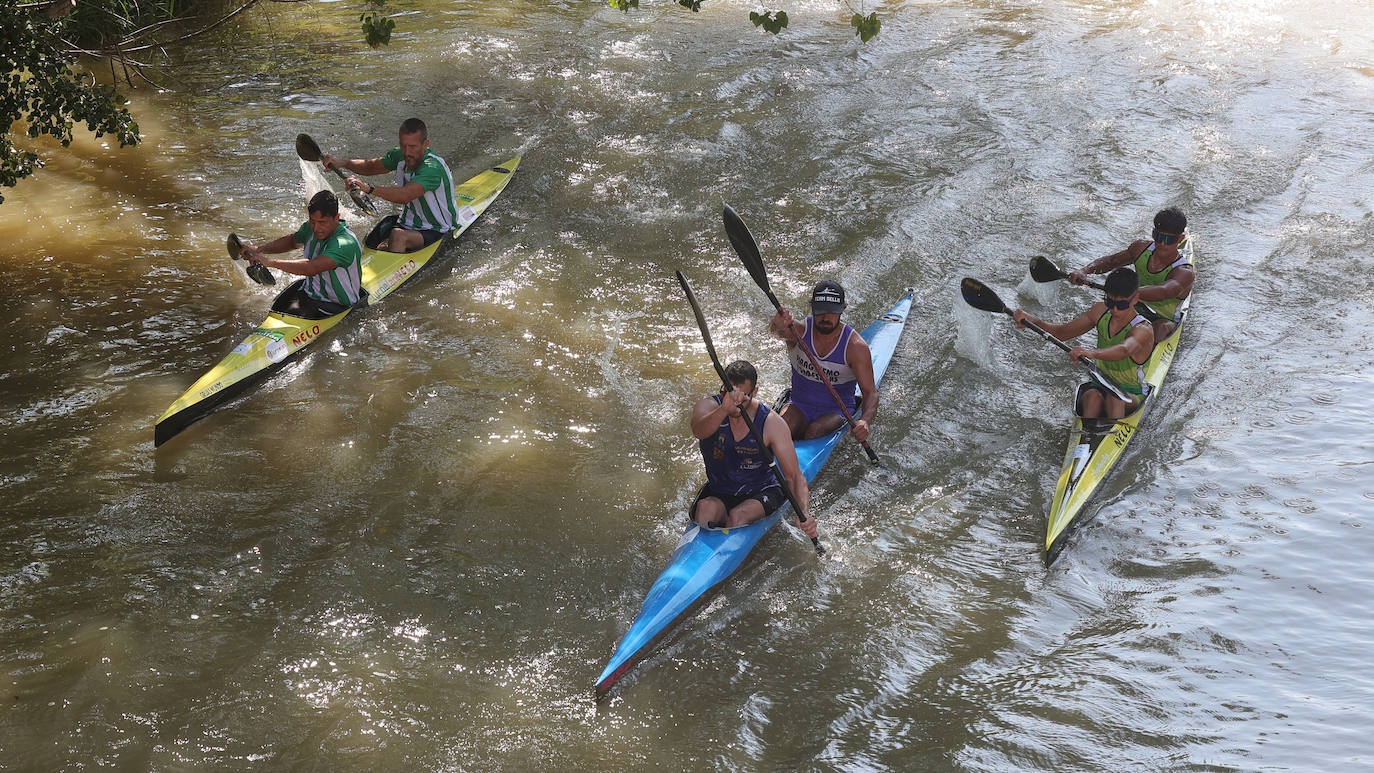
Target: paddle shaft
753, 430
748, 251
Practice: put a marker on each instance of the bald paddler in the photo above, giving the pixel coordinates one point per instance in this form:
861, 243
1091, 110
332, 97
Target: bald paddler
1164, 272
843, 354
423, 184
740, 488
1124, 342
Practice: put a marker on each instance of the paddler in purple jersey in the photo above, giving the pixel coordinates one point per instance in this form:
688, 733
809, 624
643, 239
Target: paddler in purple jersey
740, 486
844, 355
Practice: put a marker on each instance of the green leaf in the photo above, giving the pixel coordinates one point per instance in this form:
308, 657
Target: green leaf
866, 27
771, 21
624, 5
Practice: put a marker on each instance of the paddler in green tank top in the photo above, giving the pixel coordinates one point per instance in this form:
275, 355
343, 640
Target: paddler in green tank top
332, 265
1124, 343
1165, 274
424, 187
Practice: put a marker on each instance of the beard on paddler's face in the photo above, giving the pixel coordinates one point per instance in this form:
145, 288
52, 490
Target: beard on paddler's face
825, 324
413, 147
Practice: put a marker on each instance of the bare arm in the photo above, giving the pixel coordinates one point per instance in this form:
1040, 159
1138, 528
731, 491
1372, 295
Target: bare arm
283, 244
778, 438
1137, 346
786, 328
1108, 262
1071, 329
1117, 259
707, 415
860, 359
402, 195
363, 166
1178, 285
288, 243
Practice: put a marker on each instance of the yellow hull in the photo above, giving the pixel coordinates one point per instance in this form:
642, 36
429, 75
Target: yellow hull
281, 336
1095, 445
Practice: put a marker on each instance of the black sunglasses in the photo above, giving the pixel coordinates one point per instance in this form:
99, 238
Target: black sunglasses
1112, 303
1164, 238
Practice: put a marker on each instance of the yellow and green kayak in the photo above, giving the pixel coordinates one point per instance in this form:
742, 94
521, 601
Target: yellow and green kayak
282, 336
1095, 445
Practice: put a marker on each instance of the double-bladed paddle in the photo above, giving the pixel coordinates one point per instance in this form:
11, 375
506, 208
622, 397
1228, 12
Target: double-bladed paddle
1042, 269
748, 251
981, 297
309, 150
758, 435
255, 271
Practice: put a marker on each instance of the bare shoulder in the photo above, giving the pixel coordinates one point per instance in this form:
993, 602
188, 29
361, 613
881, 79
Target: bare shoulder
857, 348
775, 429
704, 406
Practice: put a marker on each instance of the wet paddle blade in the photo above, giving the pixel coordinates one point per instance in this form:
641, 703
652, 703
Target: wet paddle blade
746, 248
255, 271
1044, 270
259, 273
981, 297
307, 148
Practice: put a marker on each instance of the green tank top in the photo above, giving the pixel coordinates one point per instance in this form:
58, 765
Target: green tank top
1127, 373
1167, 308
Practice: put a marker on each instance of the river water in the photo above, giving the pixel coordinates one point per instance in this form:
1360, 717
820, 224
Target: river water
415, 548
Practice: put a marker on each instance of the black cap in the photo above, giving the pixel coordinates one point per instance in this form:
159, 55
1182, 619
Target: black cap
827, 298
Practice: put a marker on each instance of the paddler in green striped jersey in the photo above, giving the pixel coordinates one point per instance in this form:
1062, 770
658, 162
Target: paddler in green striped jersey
424, 186
1124, 342
332, 266
1166, 276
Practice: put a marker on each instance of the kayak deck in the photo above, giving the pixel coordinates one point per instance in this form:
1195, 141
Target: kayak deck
282, 336
1095, 446
705, 558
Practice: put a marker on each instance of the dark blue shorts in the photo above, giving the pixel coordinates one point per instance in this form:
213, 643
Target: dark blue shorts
771, 498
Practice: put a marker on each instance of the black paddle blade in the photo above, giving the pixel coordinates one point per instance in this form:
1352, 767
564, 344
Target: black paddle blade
363, 201
259, 273
255, 271
747, 249
307, 149
701, 323
981, 297
741, 240
1043, 270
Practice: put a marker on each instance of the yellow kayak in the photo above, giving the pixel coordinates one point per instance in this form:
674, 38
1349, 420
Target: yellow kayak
1095, 445
282, 336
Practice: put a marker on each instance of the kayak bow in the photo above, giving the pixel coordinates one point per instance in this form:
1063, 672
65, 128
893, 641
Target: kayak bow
706, 558
282, 336
1095, 445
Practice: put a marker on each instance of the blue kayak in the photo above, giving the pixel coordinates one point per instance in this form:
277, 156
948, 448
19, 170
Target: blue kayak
706, 558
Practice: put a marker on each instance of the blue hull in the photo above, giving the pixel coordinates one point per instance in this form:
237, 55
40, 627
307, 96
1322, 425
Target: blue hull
706, 558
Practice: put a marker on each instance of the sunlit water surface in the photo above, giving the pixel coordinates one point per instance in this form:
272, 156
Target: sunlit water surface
415, 548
